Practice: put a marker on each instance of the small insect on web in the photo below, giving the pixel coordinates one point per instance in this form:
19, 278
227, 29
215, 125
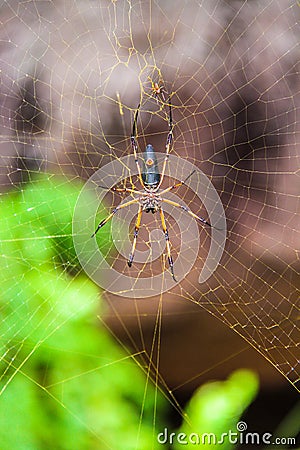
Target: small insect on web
158, 90
150, 198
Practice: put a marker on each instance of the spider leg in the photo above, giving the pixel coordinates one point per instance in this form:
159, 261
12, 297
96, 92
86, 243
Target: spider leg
104, 221
134, 144
176, 185
168, 144
165, 230
136, 231
123, 190
133, 191
162, 91
185, 208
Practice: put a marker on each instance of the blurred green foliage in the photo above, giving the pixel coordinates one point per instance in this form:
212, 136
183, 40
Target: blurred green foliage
65, 383
217, 407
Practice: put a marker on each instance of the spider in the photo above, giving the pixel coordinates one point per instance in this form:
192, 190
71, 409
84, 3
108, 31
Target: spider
158, 90
150, 198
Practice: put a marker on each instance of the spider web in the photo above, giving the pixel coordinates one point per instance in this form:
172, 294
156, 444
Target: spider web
72, 76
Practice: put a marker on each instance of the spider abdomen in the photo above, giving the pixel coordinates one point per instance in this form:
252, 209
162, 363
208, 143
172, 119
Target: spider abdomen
150, 173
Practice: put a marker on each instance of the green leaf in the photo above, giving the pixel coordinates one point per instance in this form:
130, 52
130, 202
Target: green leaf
216, 408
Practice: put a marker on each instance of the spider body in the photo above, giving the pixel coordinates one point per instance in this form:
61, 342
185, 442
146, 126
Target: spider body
150, 172
150, 202
158, 90
151, 198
